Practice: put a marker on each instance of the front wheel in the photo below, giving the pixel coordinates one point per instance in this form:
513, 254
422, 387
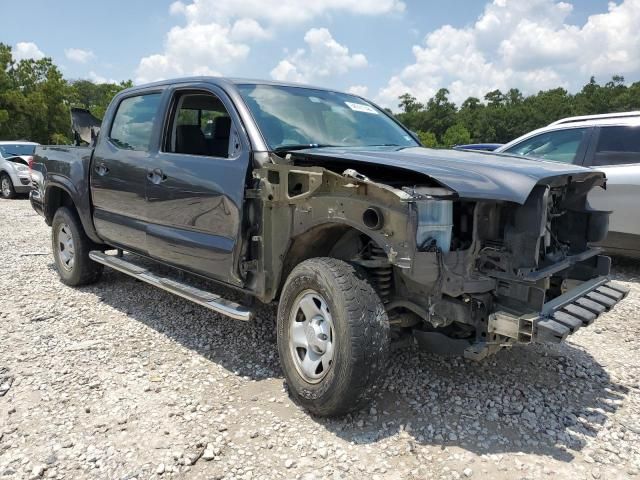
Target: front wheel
6, 186
333, 336
71, 248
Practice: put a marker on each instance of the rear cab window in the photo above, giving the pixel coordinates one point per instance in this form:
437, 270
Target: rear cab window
133, 122
617, 145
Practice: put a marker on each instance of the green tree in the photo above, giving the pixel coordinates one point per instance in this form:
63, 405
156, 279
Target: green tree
470, 115
35, 99
440, 113
428, 139
409, 103
456, 135
95, 97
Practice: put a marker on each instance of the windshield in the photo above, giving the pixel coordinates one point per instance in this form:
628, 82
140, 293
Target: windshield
16, 150
295, 116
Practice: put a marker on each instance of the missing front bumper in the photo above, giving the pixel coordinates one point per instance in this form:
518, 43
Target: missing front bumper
558, 318
561, 316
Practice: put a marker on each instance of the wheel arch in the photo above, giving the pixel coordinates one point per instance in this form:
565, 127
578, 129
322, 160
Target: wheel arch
55, 197
327, 239
59, 195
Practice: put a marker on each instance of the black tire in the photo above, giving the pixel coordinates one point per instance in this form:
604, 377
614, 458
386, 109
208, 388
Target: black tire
83, 271
360, 336
10, 191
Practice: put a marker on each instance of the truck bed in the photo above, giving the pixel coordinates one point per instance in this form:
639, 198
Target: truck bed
66, 167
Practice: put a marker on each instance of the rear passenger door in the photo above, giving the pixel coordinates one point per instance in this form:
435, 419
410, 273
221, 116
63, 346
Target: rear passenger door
119, 169
195, 185
615, 150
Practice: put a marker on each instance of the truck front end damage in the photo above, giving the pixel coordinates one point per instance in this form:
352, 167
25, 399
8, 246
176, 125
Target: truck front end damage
464, 275
516, 274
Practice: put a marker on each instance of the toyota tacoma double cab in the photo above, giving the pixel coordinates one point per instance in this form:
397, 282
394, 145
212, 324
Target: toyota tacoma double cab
321, 201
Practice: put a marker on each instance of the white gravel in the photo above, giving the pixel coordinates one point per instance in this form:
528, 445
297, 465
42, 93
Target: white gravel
119, 380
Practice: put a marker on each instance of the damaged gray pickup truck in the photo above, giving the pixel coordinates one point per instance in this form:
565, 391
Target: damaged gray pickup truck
323, 202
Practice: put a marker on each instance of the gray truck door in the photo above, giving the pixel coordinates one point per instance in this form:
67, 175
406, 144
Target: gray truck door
195, 186
119, 170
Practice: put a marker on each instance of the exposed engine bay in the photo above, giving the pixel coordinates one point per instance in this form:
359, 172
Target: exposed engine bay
473, 275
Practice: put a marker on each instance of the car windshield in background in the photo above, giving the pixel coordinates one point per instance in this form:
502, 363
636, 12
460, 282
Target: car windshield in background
299, 117
8, 150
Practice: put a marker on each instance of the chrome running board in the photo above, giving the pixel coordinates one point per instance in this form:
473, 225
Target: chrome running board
201, 297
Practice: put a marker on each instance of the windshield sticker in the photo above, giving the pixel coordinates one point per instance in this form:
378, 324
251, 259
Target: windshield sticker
359, 107
315, 100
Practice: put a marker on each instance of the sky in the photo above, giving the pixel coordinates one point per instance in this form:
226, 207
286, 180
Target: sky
376, 48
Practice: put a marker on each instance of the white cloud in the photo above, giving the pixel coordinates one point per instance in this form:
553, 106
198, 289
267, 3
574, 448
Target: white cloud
218, 33
279, 11
360, 90
96, 78
192, 50
248, 29
526, 44
27, 50
323, 58
79, 55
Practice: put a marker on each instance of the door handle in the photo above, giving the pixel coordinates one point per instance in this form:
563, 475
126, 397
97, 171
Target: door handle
102, 169
156, 176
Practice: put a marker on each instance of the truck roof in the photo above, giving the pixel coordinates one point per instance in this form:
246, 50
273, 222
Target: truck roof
230, 81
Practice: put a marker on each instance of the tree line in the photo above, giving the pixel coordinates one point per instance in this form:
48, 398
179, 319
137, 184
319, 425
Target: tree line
35, 99
503, 116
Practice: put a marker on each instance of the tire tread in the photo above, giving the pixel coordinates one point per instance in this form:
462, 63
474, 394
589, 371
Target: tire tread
88, 271
369, 338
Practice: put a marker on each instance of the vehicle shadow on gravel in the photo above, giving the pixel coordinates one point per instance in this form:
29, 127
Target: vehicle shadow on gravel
539, 399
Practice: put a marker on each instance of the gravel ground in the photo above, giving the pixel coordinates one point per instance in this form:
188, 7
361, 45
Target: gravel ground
120, 380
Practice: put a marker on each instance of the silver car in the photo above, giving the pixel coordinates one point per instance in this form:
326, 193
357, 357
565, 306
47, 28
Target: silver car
14, 167
610, 143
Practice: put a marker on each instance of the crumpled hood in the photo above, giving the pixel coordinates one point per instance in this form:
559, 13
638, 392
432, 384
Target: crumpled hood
473, 175
19, 159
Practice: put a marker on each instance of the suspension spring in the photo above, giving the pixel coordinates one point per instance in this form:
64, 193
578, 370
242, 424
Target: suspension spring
381, 277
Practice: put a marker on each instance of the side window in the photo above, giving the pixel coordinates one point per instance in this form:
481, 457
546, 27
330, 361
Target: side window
559, 146
617, 146
133, 123
200, 126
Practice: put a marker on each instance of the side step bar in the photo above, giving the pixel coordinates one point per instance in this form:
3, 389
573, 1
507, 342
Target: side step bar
201, 297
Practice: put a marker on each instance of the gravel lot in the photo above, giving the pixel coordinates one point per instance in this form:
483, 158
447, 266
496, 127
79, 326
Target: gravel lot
120, 380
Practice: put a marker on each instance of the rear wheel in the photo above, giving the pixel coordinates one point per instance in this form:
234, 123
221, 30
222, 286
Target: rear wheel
71, 248
6, 186
332, 336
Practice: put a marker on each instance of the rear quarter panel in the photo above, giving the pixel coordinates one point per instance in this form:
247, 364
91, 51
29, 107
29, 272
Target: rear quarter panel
67, 168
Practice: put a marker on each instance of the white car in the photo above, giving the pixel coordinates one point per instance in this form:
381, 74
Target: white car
610, 143
14, 167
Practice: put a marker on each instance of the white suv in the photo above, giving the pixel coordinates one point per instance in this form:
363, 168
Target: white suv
610, 143
14, 167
